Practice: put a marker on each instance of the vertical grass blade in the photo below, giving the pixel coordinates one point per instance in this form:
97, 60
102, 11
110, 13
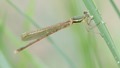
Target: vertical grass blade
30, 12
103, 29
4, 62
115, 7
23, 14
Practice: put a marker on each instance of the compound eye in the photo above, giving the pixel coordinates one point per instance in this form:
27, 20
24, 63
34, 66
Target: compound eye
85, 12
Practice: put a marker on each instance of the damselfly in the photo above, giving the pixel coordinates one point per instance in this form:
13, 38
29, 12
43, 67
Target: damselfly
42, 33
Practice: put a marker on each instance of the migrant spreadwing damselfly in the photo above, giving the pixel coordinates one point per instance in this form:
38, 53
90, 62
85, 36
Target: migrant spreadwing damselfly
42, 33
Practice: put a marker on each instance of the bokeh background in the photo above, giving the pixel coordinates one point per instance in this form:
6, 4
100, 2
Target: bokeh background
72, 47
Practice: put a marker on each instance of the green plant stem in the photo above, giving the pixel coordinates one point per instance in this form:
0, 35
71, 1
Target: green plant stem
103, 29
23, 14
115, 7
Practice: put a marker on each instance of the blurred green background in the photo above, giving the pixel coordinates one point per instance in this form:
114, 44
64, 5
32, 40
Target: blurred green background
72, 47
